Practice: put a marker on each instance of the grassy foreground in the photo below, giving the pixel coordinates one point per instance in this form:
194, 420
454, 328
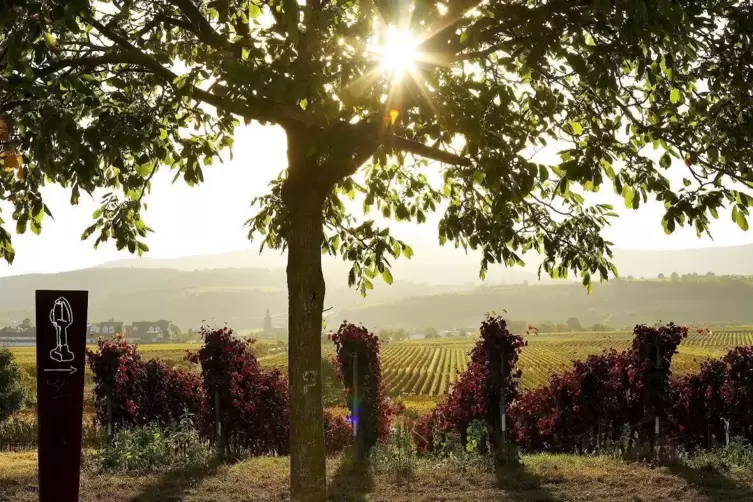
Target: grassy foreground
543, 477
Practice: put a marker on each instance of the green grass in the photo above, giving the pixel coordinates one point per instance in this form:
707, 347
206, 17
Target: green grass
542, 477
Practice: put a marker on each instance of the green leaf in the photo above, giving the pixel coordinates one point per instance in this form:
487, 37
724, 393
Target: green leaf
387, 276
577, 129
543, 173
304, 103
50, 39
675, 96
408, 252
628, 194
665, 161
21, 224
464, 37
739, 218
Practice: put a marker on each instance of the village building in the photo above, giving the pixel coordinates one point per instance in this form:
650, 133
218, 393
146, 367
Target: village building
149, 331
270, 331
18, 337
104, 330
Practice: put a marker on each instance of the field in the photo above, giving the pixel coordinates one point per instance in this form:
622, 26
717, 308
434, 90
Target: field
428, 368
421, 371
543, 477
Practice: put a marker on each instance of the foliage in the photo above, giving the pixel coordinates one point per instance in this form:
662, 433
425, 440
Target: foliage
20, 433
737, 454
574, 403
579, 89
338, 433
700, 403
397, 455
12, 395
716, 401
140, 392
479, 391
170, 394
370, 409
253, 402
430, 334
607, 391
118, 373
652, 353
604, 391
476, 435
152, 447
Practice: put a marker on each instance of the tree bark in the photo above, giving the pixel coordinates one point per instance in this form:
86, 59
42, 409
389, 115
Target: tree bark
304, 203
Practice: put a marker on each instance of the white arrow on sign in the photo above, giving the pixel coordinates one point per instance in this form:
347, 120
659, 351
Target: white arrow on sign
70, 370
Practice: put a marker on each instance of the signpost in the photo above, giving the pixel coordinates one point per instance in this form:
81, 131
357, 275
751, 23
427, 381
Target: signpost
61, 341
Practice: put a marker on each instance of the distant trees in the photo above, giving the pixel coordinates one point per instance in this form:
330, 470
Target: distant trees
599, 327
517, 326
25, 324
430, 334
391, 335
675, 276
573, 324
660, 276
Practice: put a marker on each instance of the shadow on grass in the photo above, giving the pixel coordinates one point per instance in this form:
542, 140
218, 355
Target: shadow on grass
352, 481
518, 481
713, 483
172, 486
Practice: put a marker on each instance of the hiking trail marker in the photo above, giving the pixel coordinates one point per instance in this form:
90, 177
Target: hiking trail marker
61, 342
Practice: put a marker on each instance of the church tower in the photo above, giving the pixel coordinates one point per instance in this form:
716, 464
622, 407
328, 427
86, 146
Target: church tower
267, 324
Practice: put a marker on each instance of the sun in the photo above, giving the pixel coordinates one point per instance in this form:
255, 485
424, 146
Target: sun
398, 52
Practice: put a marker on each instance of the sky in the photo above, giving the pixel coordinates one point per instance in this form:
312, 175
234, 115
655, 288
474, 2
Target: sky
209, 218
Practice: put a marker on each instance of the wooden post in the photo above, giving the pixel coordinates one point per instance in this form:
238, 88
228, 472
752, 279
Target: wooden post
108, 405
655, 438
61, 342
218, 424
354, 409
503, 409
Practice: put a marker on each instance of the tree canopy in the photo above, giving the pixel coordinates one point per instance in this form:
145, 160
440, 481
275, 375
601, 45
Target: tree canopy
103, 94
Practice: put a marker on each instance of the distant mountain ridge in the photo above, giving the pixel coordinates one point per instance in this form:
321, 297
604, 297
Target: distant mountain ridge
728, 260
228, 288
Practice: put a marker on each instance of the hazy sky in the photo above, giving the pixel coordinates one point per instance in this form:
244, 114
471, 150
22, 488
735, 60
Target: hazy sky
209, 218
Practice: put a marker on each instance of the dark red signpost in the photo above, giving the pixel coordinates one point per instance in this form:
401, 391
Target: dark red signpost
61, 340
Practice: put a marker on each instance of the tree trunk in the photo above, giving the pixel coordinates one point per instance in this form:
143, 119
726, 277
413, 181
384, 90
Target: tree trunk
305, 306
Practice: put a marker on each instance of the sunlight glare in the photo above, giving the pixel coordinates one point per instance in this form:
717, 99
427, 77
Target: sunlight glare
398, 53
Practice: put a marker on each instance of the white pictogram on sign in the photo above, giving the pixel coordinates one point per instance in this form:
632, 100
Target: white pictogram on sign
61, 316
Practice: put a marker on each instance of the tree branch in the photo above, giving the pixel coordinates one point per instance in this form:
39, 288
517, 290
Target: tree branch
203, 29
426, 151
260, 109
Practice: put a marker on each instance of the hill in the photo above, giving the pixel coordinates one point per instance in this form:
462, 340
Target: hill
241, 296
238, 297
619, 303
458, 268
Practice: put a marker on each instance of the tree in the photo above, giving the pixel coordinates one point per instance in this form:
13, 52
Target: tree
399, 335
430, 334
573, 324
660, 276
12, 394
675, 276
104, 94
26, 324
385, 334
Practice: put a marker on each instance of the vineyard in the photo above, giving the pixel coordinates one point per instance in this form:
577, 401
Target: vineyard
425, 369
429, 367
